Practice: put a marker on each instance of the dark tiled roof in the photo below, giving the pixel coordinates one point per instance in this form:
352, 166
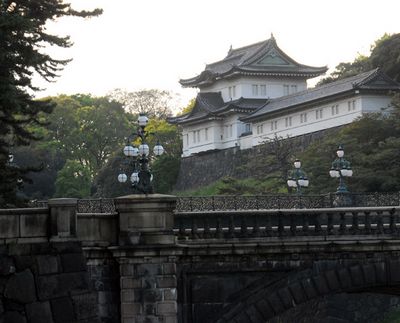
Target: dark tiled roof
211, 105
371, 80
263, 58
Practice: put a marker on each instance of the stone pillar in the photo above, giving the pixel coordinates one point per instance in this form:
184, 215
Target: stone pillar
146, 219
62, 218
147, 258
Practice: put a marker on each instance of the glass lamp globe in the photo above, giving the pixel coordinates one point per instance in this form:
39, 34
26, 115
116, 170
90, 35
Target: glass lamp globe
122, 178
158, 150
334, 173
144, 149
135, 152
135, 177
10, 158
340, 152
143, 120
291, 182
297, 164
304, 182
128, 150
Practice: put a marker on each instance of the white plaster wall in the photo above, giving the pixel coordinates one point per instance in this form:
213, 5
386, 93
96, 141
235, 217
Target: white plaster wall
274, 87
372, 103
328, 120
213, 140
246, 142
219, 136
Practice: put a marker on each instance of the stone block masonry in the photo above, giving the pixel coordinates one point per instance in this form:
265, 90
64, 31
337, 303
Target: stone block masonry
146, 257
45, 283
206, 168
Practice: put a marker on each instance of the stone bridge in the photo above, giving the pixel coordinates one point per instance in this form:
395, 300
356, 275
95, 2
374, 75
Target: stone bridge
145, 260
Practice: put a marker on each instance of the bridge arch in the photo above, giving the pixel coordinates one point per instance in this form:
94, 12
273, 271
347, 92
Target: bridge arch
264, 302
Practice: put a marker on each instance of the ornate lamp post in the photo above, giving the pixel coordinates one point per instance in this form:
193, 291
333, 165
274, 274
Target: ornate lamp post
341, 168
298, 178
138, 159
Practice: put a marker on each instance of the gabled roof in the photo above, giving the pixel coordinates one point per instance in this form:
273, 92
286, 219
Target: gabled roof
369, 81
261, 59
210, 105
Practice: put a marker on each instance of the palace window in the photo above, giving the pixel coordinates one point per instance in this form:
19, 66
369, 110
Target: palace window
293, 88
351, 105
260, 129
247, 127
318, 114
232, 91
303, 117
206, 134
285, 89
230, 131
263, 90
274, 125
254, 89
187, 140
335, 109
288, 122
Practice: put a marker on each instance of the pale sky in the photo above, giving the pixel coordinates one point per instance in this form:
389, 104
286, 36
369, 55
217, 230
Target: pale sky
148, 44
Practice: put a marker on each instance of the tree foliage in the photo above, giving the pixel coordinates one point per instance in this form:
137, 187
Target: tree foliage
164, 168
384, 53
154, 103
73, 180
22, 38
373, 155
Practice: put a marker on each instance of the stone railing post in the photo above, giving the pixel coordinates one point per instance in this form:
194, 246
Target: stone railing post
147, 258
62, 218
146, 219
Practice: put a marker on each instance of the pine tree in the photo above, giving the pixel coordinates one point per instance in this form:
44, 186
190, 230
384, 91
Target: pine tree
22, 38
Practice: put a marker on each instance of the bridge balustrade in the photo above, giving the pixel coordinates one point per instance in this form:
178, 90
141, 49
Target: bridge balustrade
282, 201
369, 221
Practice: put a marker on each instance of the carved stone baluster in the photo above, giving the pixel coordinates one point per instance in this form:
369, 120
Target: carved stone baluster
281, 229
379, 222
206, 233
256, 226
231, 229
342, 227
181, 228
218, 230
293, 224
355, 227
330, 224
243, 226
306, 224
317, 217
367, 222
268, 226
194, 232
393, 220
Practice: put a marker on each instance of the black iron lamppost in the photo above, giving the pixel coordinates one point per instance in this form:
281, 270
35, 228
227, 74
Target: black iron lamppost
341, 168
298, 178
138, 158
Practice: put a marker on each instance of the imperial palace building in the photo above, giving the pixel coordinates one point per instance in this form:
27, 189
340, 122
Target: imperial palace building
258, 92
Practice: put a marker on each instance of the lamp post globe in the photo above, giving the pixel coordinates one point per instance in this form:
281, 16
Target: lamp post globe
138, 158
341, 168
297, 178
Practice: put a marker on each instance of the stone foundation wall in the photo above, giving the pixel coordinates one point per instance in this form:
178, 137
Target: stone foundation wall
45, 283
206, 168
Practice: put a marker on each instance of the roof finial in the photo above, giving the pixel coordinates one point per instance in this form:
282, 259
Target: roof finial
230, 49
272, 36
